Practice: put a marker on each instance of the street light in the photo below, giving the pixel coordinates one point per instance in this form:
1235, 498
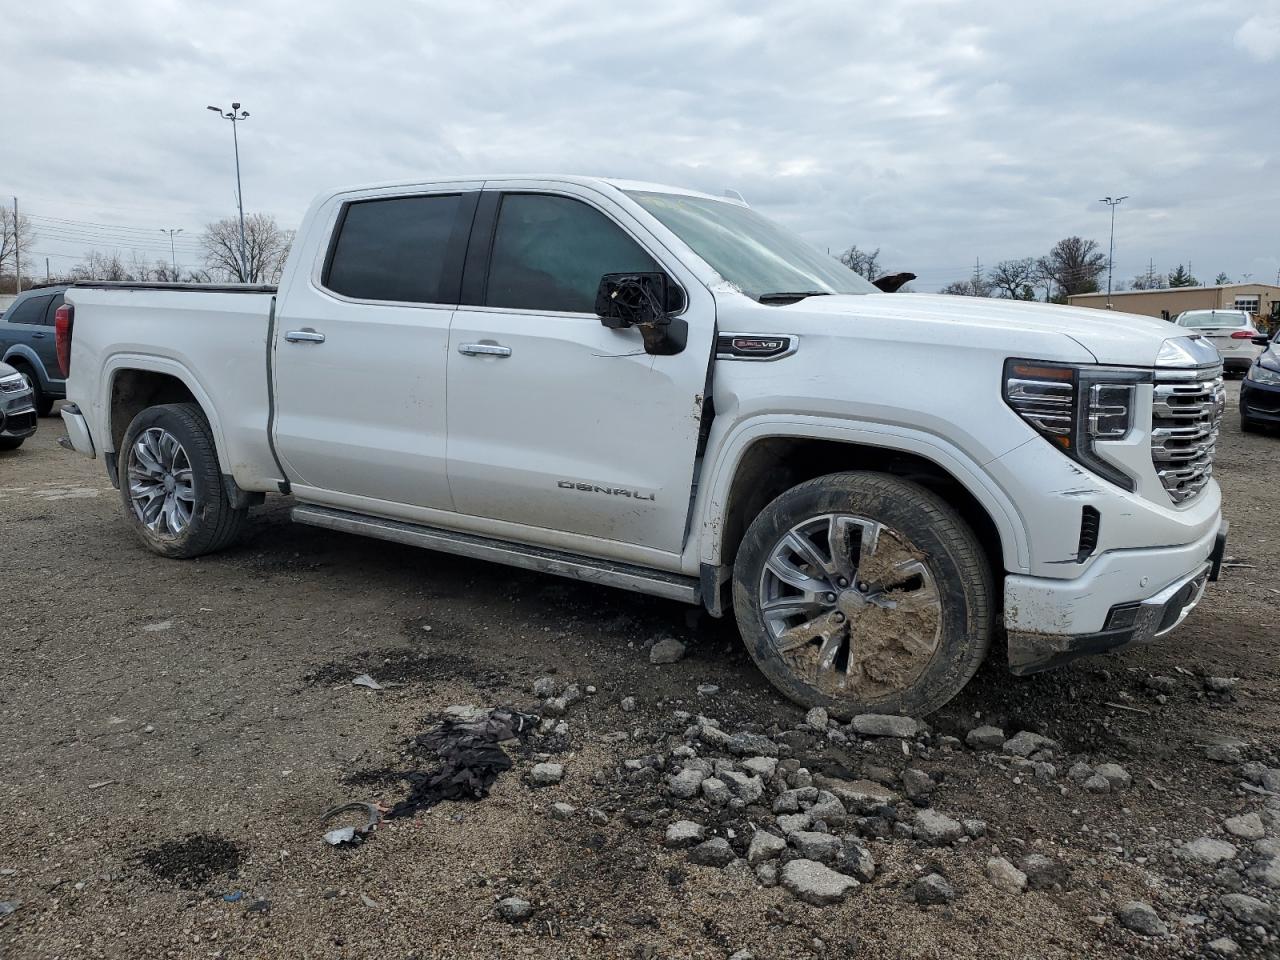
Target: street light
235, 115
1111, 256
172, 232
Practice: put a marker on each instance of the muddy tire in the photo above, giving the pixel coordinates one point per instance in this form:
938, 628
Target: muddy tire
172, 486
864, 593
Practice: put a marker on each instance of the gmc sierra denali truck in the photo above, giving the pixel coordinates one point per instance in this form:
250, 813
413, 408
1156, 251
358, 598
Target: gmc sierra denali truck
660, 390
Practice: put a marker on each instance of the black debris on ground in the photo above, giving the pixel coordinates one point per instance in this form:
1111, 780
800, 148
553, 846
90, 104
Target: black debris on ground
191, 861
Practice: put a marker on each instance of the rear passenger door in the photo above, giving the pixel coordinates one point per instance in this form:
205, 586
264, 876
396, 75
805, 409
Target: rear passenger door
361, 343
24, 333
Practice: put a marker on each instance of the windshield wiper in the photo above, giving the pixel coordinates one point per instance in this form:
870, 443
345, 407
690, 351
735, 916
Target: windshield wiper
792, 297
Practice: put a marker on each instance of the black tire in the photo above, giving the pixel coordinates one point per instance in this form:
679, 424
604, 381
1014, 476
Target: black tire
1248, 426
11, 443
933, 538
214, 524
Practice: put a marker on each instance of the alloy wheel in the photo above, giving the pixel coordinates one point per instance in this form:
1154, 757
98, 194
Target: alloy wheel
161, 488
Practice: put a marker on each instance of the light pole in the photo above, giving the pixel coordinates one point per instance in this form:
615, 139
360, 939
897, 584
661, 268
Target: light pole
1111, 255
172, 255
235, 115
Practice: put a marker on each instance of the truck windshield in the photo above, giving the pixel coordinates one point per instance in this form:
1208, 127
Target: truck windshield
762, 259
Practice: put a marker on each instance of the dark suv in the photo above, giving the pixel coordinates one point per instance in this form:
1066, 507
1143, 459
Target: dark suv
27, 343
1260, 391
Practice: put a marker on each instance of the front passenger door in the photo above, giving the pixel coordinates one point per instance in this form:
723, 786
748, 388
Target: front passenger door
558, 425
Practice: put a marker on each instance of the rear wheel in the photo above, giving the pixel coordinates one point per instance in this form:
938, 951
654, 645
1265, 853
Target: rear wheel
863, 592
172, 486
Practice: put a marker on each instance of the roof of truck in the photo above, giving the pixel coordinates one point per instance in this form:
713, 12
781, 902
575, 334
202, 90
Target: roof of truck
585, 181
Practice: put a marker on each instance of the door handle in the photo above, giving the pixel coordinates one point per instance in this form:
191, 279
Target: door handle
37, 336
484, 350
305, 335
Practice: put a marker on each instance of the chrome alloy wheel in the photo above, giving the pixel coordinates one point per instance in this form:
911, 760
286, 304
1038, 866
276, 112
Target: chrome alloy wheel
161, 487
851, 605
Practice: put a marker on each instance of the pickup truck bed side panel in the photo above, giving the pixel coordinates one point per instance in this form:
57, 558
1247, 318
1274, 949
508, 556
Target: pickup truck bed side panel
214, 343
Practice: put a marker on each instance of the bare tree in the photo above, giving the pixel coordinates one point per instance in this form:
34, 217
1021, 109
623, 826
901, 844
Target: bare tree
96, 265
973, 287
1149, 281
16, 238
864, 262
1074, 264
266, 247
1015, 279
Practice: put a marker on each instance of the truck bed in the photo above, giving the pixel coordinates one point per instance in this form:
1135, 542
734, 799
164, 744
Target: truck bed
214, 342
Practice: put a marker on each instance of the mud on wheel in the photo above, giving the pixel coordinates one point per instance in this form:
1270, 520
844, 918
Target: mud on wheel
172, 485
863, 592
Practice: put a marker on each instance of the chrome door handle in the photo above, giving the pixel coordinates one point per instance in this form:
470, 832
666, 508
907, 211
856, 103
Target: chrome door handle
484, 350
304, 336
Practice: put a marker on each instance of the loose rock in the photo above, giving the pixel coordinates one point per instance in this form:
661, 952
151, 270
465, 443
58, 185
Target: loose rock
563, 811
814, 883
1044, 873
1141, 919
933, 889
885, 725
684, 785
1005, 876
764, 846
1026, 743
1224, 947
817, 718
1207, 852
822, 847
855, 860
1246, 909
544, 687
715, 852
684, 833
1098, 784
513, 909
547, 774
985, 738
936, 829
1247, 827
1115, 775
763, 767
666, 651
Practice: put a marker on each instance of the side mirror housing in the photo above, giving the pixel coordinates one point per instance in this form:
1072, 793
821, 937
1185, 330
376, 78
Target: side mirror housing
1262, 340
646, 301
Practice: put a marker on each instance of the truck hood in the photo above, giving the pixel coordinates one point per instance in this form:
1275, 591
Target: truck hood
1123, 339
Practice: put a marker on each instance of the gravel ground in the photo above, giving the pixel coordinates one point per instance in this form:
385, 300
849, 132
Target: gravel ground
173, 732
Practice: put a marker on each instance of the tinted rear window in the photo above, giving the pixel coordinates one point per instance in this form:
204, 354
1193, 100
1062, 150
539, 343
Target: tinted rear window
393, 249
30, 310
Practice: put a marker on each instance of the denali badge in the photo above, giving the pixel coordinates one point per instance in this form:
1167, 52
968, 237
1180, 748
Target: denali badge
612, 491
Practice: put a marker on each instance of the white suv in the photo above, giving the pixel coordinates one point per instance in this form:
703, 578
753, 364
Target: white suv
1231, 331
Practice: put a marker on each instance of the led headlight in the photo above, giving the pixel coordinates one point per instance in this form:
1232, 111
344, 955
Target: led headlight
1260, 374
1076, 406
13, 383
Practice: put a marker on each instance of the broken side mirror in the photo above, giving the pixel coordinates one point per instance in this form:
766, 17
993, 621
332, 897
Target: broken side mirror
646, 301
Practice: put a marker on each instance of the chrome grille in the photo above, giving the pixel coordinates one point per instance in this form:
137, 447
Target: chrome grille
1186, 413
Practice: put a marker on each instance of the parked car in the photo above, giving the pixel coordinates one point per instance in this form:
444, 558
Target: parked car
27, 343
1260, 391
17, 408
660, 390
1231, 331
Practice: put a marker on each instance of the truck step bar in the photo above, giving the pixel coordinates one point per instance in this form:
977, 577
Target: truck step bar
621, 575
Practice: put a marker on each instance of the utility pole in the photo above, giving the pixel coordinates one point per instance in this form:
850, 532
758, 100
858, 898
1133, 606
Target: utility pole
47, 277
17, 250
977, 276
1151, 274
1111, 257
235, 115
174, 257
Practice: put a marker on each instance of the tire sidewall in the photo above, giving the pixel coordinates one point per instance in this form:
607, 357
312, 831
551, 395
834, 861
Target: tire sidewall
206, 479
966, 599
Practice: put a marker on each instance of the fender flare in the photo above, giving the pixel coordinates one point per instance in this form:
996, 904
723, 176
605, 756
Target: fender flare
966, 471
117, 363
31, 359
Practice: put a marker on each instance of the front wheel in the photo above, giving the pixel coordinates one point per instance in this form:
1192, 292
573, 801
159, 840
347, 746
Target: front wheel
11, 443
863, 592
172, 486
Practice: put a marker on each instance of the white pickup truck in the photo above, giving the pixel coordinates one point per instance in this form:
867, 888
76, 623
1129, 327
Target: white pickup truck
660, 390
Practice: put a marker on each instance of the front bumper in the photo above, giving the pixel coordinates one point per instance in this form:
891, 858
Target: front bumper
17, 417
1126, 597
1260, 402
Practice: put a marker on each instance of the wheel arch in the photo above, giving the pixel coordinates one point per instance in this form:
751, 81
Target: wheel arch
132, 384
760, 460
21, 354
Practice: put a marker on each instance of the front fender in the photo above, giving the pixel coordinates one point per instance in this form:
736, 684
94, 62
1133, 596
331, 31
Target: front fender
713, 496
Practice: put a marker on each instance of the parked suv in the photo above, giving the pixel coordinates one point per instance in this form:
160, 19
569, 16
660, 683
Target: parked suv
1231, 331
17, 408
26, 344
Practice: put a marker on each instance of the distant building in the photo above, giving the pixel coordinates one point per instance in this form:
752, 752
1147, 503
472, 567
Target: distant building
1260, 299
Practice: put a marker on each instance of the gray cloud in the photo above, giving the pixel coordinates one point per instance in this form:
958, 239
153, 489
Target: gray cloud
940, 131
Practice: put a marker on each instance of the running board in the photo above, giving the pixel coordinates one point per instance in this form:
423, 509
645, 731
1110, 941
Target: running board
605, 572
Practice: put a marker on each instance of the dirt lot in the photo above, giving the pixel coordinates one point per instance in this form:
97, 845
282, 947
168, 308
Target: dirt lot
146, 702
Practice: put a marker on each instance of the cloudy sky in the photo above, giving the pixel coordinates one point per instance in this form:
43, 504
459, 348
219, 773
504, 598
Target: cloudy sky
938, 130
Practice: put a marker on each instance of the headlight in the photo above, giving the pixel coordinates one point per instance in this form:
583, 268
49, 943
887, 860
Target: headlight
1074, 407
13, 383
1260, 374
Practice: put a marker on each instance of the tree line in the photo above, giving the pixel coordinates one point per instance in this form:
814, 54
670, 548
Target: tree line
1072, 266
266, 249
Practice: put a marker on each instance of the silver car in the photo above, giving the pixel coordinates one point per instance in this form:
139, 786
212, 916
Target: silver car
17, 408
1232, 332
